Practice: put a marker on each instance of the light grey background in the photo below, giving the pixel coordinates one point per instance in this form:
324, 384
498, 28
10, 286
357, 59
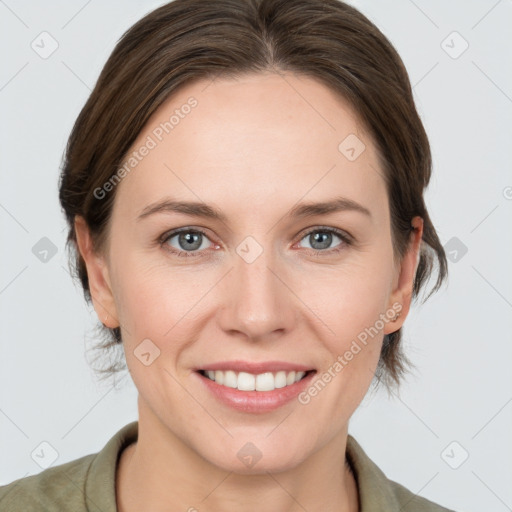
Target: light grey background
460, 340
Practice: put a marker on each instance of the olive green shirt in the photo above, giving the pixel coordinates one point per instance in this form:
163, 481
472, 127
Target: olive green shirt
87, 484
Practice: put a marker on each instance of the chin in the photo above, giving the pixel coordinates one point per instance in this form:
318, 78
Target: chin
254, 455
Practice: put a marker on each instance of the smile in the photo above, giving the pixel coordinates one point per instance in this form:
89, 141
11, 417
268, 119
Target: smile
243, 381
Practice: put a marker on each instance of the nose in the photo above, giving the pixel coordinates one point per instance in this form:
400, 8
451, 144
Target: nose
258, 302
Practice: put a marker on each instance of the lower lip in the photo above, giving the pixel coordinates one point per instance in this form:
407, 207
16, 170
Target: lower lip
256, 401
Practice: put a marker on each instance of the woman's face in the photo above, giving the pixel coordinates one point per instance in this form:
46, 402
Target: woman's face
268, 281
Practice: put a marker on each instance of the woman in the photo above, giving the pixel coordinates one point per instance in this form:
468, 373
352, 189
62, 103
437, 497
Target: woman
244, 193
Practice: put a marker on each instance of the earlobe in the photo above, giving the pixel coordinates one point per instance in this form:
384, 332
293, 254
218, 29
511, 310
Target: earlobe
97, 274
402, 294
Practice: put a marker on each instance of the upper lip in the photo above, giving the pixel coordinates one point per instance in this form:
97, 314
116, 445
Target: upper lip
255, 368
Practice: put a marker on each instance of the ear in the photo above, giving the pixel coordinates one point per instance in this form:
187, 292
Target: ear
404, 282
98, 275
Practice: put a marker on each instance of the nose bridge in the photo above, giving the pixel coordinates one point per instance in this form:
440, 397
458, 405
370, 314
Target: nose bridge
259, 302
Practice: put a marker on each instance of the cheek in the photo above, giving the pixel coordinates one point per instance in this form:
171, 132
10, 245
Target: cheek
351, 299
152, 294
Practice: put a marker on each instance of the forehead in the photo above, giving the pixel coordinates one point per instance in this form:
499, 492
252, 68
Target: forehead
262, 139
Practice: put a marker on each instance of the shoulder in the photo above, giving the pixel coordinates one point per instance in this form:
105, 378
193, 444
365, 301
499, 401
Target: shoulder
377, 492
56, 488
83, 484
410, 502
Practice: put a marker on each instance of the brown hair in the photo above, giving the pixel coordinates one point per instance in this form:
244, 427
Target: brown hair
188, 40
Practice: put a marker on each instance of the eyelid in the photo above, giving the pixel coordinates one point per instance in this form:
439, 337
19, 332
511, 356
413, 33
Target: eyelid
344, 235
185, 229
347, 240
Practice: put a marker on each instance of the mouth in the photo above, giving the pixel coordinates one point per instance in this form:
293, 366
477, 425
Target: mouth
255, 387
245, 381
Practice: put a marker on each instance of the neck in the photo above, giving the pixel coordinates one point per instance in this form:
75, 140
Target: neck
160, 471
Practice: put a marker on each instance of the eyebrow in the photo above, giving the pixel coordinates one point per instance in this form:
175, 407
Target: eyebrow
302, 210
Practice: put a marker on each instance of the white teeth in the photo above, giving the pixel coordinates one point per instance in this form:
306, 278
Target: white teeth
265, 382
244, 381
280, 380
230, 379
219, 377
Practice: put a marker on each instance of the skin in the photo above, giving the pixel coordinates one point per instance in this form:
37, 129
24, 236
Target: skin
253, 148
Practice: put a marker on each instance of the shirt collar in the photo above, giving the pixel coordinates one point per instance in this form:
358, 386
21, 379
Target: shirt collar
373, 487
100, 484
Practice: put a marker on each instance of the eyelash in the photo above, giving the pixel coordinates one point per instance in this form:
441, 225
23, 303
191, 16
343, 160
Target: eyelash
346, 239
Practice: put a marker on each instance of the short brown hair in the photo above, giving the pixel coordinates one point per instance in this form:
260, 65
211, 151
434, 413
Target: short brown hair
188, 40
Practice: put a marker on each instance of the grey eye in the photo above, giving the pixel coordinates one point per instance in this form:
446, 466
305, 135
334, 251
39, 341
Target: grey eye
321, 239
188, 240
